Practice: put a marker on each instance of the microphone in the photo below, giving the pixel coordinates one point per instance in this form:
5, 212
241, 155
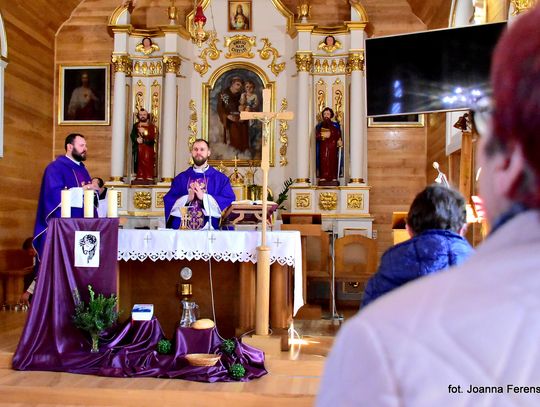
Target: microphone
441, 178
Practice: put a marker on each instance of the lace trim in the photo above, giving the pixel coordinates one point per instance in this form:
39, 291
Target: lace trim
241, 257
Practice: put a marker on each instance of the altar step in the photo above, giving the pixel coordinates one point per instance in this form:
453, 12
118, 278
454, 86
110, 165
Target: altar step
289, 383
293, 379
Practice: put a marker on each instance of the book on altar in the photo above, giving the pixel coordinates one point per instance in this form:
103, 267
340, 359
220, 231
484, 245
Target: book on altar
142, 312
247, 212
250, 202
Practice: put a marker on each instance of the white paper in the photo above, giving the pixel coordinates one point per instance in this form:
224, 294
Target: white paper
76, 197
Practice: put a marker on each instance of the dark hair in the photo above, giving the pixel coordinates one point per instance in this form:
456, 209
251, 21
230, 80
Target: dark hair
329, 36
236, 79
515, 79
146, 38
202, 140
71, 138
27, 244
328, 109
99, 181
437, 207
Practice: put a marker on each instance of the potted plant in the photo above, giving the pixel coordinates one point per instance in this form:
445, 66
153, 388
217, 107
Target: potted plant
283, 195
99, 314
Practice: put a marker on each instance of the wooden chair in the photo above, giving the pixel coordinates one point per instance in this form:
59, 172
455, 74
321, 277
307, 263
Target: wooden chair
14, 265
356, 259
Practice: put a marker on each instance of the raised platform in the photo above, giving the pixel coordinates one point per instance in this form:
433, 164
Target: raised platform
293, 380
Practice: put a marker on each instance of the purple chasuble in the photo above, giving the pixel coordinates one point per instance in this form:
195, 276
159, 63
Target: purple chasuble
217, 185
61, 173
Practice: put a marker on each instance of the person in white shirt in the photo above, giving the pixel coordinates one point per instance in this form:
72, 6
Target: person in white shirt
469, 336
101, 197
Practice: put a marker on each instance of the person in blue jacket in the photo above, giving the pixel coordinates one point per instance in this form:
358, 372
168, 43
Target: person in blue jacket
436, 223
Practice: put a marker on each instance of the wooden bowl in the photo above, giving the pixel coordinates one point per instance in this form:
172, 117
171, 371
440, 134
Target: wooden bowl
202, 359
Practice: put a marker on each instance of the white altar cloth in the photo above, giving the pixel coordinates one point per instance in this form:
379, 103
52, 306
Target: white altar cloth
220, 245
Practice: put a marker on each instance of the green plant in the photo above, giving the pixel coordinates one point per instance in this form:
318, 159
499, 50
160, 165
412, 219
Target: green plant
283, 195
237, 371
164, 346
228, 346
99, 314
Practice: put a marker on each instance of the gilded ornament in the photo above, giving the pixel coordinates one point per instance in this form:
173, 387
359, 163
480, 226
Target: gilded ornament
122, 63
172, 64
283, 137
172, 12
119, 199
303, 201
222, 168
328, 201
155, 106
338, 90
192, 126
356, 61
303, 10
304, 61
324, 66
211, 52
268, 51
519, 6
355, 201
239, 46
146, 50
320, 88
142, 200
329, 44
159, 199
139, 101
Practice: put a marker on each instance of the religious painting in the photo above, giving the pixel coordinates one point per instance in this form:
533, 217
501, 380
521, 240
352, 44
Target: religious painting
401, 120
83, 95
232, 89
239, 16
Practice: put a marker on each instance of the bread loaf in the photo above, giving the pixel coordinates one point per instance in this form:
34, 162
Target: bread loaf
204, 323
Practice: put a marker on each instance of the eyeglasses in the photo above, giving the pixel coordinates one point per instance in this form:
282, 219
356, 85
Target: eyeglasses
482, 116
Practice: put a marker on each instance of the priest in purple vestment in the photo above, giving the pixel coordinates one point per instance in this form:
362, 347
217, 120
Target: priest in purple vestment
67, 171
205, 192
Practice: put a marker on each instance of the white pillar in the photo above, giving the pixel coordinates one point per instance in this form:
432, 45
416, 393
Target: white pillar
168, 136
122, 67
357, 118
304, 61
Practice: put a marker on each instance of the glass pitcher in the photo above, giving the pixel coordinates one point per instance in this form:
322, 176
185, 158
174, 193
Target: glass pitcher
190, 312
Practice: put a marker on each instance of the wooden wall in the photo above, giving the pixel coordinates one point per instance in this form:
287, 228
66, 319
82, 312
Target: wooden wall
29, 82
85, 39
396, 171
397, 157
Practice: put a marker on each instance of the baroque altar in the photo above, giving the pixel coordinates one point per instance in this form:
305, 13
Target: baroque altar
182, 71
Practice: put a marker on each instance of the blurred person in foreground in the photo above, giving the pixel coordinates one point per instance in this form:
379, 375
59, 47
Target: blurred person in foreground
469, 336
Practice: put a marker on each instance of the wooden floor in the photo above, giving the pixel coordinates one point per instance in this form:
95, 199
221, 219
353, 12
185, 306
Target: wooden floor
293, 378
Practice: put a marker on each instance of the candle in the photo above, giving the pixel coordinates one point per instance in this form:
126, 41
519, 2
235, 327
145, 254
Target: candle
266, 100
65, 203
112, 203
88, 203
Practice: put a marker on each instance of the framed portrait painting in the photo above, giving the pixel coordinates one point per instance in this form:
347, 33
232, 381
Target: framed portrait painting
239, 15
84, 95
232, 89
402, 120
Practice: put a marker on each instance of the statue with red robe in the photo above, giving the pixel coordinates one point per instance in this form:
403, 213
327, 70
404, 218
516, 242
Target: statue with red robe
329, 143
143, 138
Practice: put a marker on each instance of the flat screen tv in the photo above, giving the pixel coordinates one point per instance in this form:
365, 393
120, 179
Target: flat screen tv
430, 71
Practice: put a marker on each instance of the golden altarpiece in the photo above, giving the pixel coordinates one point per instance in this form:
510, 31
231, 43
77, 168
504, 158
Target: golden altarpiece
184, 74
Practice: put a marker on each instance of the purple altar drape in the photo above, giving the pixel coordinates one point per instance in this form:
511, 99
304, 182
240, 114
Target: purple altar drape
50, 340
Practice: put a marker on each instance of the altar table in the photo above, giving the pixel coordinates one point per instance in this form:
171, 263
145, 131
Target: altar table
225, 247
